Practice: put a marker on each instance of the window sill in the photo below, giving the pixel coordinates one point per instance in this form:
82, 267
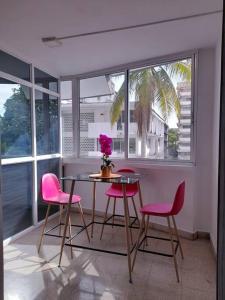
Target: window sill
133, 163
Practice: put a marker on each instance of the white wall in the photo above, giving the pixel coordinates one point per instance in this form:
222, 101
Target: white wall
203, 175
215, 152
160, 183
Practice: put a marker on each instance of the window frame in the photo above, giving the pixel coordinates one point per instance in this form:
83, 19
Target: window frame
34, 158
193, 54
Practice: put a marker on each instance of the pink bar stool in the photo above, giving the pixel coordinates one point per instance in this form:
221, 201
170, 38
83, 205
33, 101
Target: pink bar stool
115, 192
166, 210
53, 195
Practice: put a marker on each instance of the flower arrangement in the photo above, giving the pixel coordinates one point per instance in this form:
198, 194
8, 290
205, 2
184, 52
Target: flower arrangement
105, 143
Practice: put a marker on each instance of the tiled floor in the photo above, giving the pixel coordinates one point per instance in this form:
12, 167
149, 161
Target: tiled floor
94, 275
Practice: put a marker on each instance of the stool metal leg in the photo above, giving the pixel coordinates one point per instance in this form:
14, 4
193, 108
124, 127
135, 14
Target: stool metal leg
178, 238
141, 231
70, 235
43, 228
60, 217
135, 209
127, 230
93, 208
82, 217
66, 220
105, 217
173, 250
131, 236
146, 231
114, 210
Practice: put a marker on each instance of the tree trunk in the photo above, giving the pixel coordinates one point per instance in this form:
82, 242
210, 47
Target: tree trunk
143, 145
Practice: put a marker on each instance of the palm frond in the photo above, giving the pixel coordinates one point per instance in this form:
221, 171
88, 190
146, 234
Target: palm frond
116, 108
166, 95
144, 94
180, 69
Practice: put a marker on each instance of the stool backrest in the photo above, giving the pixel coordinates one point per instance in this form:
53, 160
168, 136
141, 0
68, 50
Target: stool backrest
129, 187
50, 186
179, 199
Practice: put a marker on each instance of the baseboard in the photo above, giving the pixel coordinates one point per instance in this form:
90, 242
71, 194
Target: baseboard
20, 234
163, 228
88, 211
202, 235
214, 252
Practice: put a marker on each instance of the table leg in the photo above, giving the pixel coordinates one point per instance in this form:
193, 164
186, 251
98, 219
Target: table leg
140, 196
93, 209
127, 230
66, 220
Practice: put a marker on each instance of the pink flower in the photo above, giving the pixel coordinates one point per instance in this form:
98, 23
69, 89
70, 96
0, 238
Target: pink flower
105, 143
108, 151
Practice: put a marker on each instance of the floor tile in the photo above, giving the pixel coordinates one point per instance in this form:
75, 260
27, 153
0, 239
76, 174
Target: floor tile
95, 275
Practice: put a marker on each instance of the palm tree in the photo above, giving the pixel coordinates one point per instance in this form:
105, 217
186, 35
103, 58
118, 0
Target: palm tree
152, 85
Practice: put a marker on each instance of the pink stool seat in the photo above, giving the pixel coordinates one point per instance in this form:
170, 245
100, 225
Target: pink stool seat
157, 209
52, 193
118, 192
62, 199
166, 209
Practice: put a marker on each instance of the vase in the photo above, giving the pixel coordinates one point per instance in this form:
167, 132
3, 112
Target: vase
106, 171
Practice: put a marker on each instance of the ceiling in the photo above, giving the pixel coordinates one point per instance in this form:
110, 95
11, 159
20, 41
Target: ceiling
23, 23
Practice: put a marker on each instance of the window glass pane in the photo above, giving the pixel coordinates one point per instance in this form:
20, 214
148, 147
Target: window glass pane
17, 188
67, 119
46, 166
47, 123
160, 111
101, 106
15, 119
45, 80
13, 66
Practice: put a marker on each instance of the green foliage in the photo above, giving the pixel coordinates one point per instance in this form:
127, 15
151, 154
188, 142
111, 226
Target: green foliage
16, 123
172, 137
152, 85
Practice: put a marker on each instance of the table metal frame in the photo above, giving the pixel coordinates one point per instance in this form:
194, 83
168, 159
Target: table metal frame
127, 226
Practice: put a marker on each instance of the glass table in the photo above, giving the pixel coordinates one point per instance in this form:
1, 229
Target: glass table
124, 180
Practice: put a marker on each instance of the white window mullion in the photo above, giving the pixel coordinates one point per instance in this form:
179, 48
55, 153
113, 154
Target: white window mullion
194, 71
46, 91
76, 116
34, 152
126, 115
60, 129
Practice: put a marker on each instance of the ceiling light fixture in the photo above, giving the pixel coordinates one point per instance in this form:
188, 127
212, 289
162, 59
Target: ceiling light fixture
53, 41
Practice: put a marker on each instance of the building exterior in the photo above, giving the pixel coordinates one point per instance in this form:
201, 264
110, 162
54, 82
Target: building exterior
184, 124
95, 119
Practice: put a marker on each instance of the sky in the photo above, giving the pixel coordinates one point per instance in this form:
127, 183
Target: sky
5, 93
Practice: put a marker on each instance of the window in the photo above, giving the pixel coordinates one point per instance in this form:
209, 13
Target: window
67, 119
22, 164
14, 66
47, 123
46, 166
146, 110
45, 80
97, 98
160, 97
15, 116
17, 196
